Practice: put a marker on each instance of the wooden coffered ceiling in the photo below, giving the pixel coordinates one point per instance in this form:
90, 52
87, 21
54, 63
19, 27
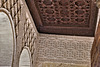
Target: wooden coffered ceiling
68, 17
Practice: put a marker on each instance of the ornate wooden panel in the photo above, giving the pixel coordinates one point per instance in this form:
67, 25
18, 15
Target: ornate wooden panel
71, 17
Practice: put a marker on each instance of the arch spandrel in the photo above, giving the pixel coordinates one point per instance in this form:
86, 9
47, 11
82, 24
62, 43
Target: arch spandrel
20, 17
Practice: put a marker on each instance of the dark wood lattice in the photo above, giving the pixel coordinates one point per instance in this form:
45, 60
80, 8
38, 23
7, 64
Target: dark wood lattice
74, 17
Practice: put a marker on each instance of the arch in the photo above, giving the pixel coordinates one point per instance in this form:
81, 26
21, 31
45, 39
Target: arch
25, 58
7, 13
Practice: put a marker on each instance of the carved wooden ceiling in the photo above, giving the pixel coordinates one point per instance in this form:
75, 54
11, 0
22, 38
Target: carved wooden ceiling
68, 17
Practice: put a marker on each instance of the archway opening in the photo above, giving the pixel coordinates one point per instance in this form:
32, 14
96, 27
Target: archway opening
6, 41
24, 59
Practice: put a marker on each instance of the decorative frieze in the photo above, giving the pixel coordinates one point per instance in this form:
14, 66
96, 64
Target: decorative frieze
67, 49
